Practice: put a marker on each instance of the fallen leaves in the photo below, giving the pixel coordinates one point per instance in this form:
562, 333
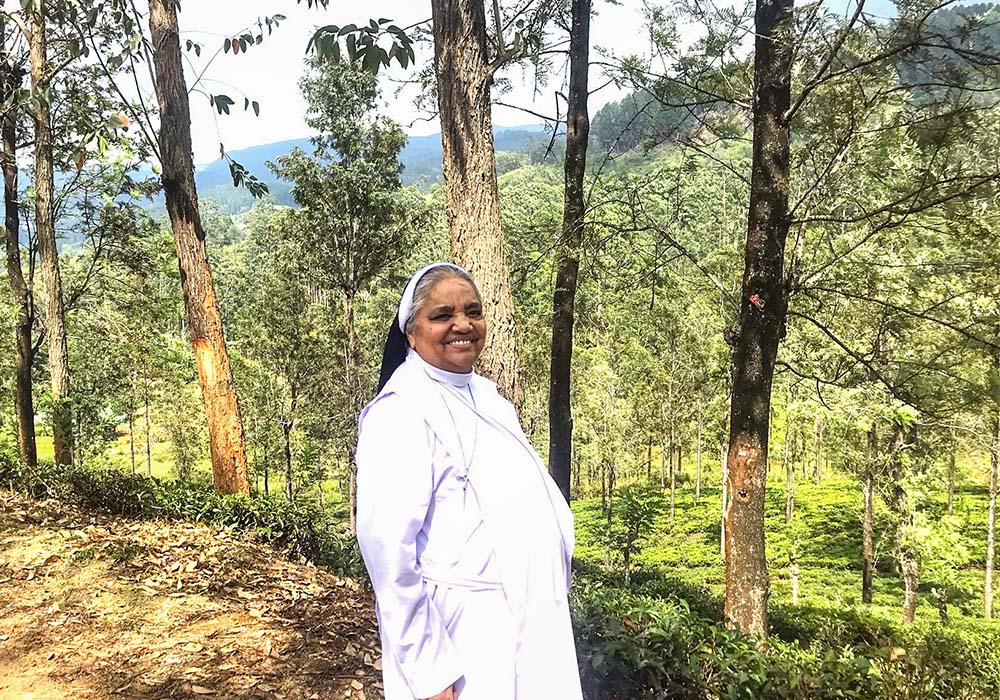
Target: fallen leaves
155, 609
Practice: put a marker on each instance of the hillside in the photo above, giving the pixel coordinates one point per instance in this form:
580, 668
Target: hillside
421, 159
94, 606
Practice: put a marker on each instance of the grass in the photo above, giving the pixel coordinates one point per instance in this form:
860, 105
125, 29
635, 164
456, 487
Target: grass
827, 525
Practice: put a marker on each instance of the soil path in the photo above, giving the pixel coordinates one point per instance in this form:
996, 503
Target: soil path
96, 607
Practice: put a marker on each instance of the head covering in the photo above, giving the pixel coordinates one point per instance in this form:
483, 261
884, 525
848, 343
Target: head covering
396, 345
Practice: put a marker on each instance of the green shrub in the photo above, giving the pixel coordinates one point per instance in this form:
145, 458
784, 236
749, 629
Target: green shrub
650, 643
299, 529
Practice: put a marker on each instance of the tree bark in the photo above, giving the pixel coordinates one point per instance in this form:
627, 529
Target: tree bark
725, 500
222, 411
991, 517
567, 251
819, 427
788, 462
951, 479
48, 252
20, 290
764, 303
697, 477
868, 518
149, 442
464, 79
354, 368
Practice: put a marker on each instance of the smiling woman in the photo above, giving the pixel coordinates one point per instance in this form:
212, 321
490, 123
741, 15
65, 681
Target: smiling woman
466, 537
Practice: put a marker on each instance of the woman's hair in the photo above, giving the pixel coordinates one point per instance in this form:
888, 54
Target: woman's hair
427, 283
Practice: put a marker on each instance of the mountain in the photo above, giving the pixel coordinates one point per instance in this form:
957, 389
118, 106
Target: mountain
421, 158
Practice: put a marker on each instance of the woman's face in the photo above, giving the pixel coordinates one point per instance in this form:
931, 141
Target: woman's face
449, 331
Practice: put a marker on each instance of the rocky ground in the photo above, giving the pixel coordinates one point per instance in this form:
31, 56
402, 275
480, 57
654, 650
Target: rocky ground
96, 607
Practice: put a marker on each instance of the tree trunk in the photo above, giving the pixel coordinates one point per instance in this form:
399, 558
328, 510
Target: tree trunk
911, 582
131, 435
793, 572
20, 290
907, 564
991, 517
464, 79
149, 443
222, 410
48, 252
697, 477
819, 427
287, 424
951, 479
868, 518
567, 251
789, 464
764, 303
789, 488
725, 500
673, 483
354, 368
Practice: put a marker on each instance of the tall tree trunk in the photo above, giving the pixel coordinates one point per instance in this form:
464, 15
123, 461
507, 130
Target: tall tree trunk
48, 252
764, 303
222, 411
787, 460
819, 427
697, 477
287, 425
789, 484
354, 367
725, 499
991, 517
149, 442
131, 435
868, 517
906, 563
567, 251
21, 292
464, 79
951, 477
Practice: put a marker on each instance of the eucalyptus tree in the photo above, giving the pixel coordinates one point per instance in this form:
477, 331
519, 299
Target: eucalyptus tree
865, 84
465, 69
567, 258
355, 222
33, 20
12, 71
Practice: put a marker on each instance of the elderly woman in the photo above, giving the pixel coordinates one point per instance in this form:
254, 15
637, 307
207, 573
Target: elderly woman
466, 537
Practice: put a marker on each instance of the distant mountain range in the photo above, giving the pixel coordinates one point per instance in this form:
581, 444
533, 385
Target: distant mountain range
421, 159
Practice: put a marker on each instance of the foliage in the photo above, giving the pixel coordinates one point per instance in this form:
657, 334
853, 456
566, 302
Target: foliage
632, 646
297, 528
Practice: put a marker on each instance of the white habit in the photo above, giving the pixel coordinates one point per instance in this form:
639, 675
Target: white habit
467, 540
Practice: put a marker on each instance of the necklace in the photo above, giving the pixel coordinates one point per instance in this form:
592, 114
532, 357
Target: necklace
466, 459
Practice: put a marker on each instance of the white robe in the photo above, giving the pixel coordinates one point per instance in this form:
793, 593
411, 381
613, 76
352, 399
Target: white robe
467, 541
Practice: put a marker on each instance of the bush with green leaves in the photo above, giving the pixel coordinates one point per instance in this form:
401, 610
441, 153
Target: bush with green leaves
299, 529
633, 646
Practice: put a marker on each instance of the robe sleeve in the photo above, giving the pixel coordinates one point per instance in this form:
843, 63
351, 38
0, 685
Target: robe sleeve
395, 490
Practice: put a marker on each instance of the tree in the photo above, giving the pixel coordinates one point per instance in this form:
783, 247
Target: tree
567, 256
464, 80
11, 76
34, 26
225, 426
355, 222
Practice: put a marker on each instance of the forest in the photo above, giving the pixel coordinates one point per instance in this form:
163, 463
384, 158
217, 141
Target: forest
749, 313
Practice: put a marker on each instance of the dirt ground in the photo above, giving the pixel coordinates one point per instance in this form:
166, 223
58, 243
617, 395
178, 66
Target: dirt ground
96, 607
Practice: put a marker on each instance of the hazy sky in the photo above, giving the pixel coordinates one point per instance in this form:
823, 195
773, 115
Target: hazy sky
270, 72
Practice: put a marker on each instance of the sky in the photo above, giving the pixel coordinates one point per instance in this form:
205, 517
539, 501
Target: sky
269, 73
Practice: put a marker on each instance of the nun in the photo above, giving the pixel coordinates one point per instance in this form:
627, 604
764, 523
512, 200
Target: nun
467, 539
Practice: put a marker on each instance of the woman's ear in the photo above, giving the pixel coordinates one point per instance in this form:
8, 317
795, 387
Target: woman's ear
409, 339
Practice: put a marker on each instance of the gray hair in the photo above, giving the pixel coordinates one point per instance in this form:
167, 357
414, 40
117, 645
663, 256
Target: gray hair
427, 282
